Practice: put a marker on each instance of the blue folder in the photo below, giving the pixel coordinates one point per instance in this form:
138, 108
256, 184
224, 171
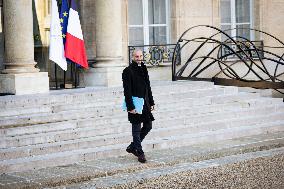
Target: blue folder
138, 103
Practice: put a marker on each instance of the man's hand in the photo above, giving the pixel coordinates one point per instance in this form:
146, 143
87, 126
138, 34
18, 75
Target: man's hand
152, 108
133, 111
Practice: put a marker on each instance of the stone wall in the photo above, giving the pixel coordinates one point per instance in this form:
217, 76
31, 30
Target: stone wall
272, 22
272, 19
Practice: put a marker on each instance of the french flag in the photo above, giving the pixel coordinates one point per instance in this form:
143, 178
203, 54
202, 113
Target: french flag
75, 46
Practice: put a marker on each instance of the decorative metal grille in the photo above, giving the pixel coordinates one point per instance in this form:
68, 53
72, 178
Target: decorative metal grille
155, 55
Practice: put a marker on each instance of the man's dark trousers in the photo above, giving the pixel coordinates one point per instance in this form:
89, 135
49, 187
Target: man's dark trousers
139, 134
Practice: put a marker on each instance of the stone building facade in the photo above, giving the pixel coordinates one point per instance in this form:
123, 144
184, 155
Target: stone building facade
109, 26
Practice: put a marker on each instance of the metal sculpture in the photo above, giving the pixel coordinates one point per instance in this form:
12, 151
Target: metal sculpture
235, 61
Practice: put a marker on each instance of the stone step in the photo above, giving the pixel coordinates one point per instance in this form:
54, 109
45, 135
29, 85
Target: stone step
105, 99
195, 105
70, 127
165, 99
123, 135
41, 118
218, 135
193, 115
76, 105
79, 155
87, 94
54, 137
103, 102
112, 169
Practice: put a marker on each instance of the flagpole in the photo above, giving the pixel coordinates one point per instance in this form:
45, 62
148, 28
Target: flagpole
55, 69
75, 76
64, 79
71, 75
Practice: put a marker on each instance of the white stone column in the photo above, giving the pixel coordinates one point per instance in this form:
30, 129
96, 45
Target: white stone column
20, 75
108, 35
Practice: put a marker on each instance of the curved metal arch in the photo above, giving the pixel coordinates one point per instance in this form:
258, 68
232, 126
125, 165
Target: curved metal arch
203, 42
247, 54
216, 41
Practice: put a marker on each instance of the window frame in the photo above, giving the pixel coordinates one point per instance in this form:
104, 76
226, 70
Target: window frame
146, 26
234, 23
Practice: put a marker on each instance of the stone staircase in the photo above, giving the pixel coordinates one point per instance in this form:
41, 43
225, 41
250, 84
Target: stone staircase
255, 161
69, 126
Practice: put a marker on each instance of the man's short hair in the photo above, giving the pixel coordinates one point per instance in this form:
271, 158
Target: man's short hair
136, 50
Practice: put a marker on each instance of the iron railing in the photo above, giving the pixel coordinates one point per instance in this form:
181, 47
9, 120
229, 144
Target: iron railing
155, 55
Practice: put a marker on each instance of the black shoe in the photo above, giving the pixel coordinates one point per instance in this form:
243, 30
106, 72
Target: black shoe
141, 158
132, 151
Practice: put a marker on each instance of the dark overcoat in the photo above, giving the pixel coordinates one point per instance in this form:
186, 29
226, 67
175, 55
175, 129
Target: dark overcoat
136, 83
